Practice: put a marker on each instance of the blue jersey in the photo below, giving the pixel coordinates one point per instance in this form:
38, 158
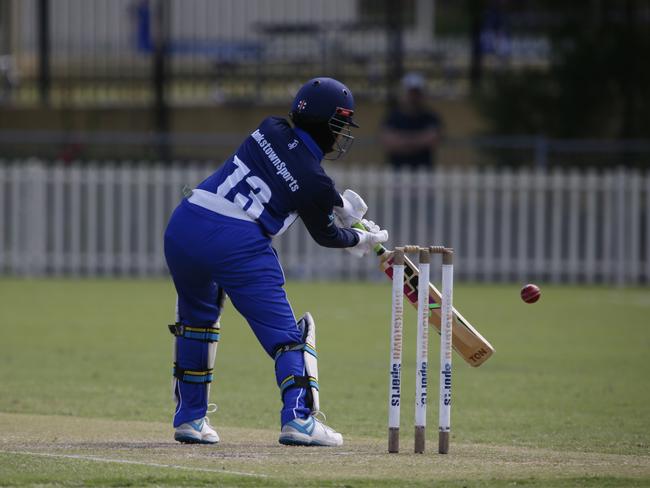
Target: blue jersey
275, 177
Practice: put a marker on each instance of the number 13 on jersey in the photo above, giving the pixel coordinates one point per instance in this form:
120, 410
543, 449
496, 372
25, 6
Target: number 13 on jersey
250, 196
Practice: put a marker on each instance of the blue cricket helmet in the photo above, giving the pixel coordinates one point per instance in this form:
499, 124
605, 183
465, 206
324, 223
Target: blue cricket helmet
326, 102
320, 99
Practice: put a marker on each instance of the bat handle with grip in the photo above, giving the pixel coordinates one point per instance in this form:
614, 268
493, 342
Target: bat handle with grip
379, 248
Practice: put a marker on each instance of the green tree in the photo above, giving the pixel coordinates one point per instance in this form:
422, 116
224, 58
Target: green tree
596, 84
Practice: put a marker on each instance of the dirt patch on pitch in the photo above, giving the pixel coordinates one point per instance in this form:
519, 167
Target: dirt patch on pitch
256, 452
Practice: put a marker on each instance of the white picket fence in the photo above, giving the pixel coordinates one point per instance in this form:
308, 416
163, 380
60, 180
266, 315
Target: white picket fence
108, 219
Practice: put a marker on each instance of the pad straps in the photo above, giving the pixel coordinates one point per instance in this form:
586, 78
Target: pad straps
293, 381
205, 334
296, 347
189, 376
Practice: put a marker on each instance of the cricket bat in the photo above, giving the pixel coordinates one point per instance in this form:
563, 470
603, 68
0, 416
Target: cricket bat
466, 340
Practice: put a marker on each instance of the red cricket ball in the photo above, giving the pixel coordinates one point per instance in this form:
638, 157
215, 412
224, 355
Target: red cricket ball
530, 293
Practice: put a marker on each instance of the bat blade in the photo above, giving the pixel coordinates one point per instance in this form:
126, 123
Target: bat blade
466, 340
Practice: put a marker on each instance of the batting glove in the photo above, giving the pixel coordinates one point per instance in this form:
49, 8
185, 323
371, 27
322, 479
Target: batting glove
352, 211
368, 238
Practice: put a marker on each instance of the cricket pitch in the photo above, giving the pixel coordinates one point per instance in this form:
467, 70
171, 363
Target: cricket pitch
36, 448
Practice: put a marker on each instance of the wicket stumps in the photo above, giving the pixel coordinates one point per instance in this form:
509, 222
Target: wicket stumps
422, 347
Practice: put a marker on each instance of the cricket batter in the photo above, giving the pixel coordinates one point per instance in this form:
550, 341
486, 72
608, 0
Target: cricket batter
218, 241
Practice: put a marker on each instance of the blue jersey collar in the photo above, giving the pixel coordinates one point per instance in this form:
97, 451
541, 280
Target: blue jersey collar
309, 142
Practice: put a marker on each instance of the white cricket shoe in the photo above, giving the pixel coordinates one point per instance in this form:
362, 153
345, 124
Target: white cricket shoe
196, 432
309, 432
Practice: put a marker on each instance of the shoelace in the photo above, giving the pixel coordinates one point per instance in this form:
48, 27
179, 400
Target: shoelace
212, 407
317, 413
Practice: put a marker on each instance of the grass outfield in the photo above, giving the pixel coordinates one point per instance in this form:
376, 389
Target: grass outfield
85, 391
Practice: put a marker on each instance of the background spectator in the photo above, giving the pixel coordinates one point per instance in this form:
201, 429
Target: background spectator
411, 132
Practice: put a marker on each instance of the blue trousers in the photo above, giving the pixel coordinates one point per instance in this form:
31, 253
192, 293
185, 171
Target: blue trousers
206, 251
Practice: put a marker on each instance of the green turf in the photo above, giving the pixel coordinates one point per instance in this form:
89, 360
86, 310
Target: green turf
564, 401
